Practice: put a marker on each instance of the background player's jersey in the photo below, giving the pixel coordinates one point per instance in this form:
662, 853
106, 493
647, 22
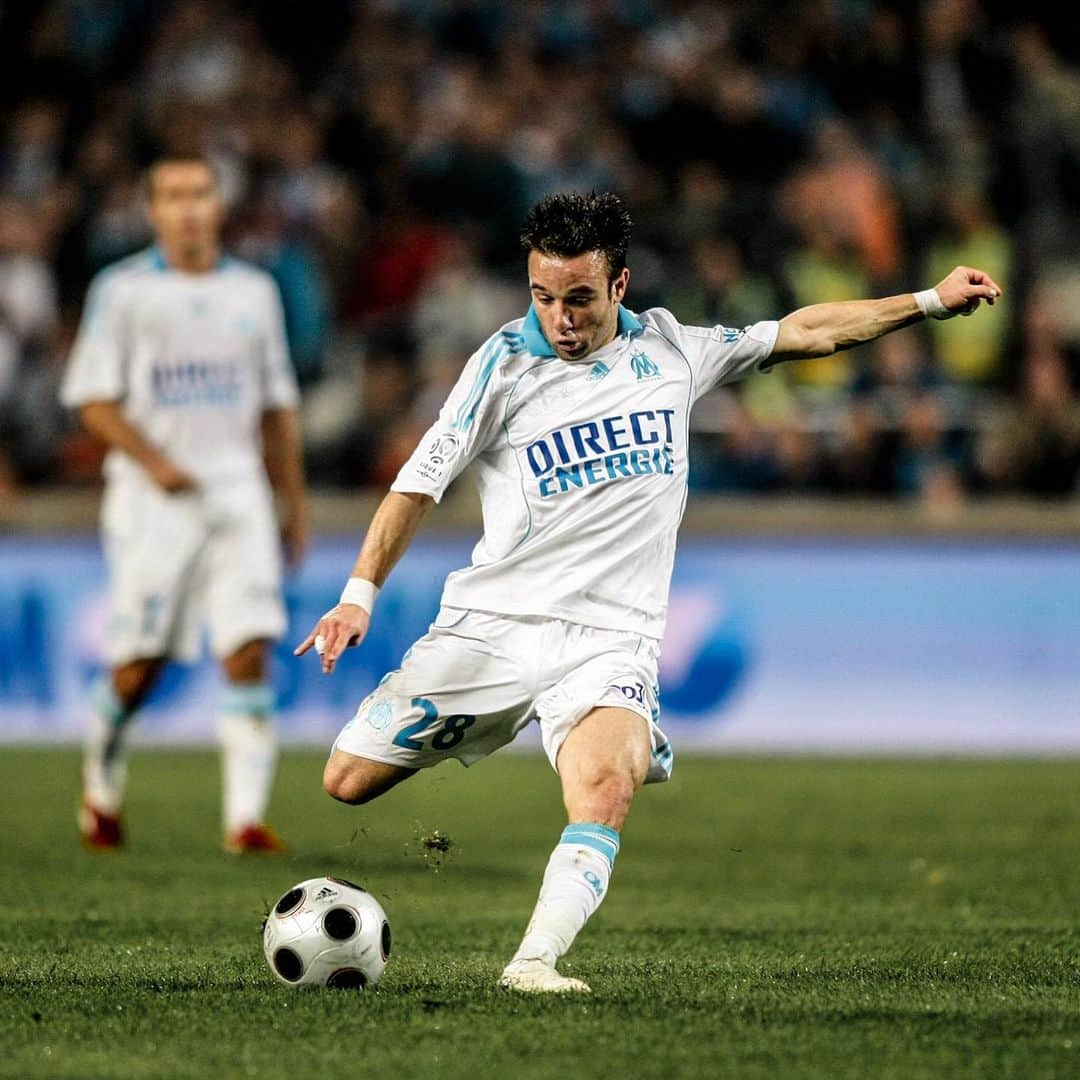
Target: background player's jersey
194, 358
581, 465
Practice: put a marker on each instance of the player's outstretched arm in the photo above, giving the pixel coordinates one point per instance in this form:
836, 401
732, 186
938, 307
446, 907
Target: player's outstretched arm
106, 420
389, 535
823, 329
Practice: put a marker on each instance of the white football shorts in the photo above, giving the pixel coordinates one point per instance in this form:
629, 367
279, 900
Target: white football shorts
476, 679
177, 562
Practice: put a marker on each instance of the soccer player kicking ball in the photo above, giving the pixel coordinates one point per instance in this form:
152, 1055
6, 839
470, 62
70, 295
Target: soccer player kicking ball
575, 421
181, 367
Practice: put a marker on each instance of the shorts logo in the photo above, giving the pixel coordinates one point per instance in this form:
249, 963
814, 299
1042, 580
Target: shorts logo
644, 368
633, 691
380, 714
438, 457
731, 335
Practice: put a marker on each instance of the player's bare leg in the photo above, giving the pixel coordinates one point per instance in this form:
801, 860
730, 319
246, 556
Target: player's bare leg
358, 780
249, 750
602, 763
115, 698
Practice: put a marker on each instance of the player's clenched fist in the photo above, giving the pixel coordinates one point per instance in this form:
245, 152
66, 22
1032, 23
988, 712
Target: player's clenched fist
340, 628
965, 288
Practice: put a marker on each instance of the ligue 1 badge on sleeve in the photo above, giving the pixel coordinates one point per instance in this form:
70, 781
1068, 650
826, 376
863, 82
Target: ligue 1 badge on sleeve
439, 456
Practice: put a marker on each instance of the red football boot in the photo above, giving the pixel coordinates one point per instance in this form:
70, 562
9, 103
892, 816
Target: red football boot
100, 831
260, 838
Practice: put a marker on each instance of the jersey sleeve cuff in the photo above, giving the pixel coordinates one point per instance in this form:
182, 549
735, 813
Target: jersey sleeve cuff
766, 334
410, 485
77, 396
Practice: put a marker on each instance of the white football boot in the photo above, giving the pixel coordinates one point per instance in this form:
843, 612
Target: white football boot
539, 977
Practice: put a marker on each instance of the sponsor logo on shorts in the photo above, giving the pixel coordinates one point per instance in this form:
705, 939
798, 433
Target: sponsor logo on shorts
634, 691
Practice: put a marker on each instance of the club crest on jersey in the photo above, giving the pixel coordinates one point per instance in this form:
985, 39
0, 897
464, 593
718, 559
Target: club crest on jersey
644, 368
597, 371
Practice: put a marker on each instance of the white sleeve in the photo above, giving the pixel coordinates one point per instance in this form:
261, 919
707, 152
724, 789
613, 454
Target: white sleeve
279, 389
97, 367
721, 354
468, 421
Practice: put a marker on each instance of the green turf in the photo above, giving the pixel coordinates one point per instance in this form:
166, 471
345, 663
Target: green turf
767, 918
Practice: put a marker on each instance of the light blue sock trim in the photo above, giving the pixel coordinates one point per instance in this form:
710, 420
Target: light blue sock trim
250, 699
598, 837
601, 830
104, 700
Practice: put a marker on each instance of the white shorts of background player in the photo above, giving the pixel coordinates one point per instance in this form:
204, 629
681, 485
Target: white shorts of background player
476, 679
180, 562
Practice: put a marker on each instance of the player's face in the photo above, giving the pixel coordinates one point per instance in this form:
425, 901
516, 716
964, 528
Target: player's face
576, 301
185, 208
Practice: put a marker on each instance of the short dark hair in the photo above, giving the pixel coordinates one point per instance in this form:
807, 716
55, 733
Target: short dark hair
179, 158
570, 223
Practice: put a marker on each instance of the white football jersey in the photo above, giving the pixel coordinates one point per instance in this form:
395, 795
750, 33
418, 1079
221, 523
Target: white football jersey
194, 358
581, 465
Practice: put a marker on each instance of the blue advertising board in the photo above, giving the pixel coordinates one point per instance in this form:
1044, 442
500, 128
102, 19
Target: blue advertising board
825, 645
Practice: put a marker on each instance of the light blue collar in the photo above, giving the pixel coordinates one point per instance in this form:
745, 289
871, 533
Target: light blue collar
159, 262
538, 345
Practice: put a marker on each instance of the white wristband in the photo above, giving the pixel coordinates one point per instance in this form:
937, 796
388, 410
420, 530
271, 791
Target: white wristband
931, 306
360, 592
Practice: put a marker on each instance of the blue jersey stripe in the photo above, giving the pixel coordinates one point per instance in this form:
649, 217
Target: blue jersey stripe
496, 352
492, 344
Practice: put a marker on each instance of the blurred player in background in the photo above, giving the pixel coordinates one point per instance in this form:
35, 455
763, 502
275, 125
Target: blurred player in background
576, 420
181, 367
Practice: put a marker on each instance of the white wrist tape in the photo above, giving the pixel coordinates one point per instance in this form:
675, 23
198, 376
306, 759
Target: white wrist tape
360, 592
931, 306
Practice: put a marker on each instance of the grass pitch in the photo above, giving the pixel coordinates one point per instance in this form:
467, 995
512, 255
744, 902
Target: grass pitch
779, 918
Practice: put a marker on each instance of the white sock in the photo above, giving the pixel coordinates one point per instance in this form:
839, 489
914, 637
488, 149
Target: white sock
575, 882
249, 753
104, 752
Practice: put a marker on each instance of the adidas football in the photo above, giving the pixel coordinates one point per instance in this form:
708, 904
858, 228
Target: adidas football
327, 932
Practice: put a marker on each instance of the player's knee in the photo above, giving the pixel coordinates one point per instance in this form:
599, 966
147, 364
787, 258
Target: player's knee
604, 793
356, 780
341, 783
132, 682
617, 778
347, 784
248, 663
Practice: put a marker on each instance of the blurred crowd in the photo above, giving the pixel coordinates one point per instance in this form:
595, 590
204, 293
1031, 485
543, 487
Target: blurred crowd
377, 159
